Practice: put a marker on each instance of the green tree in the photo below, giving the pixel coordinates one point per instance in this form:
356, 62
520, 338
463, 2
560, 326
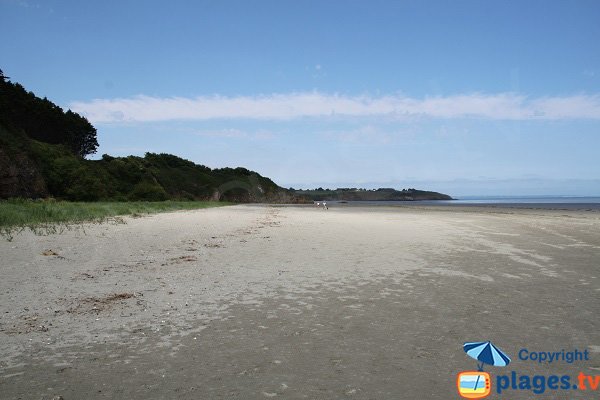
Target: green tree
44, 121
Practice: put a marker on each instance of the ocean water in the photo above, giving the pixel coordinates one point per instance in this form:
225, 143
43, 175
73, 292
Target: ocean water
541, 202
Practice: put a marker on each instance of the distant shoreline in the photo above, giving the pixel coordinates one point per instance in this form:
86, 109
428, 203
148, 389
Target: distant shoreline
530, 203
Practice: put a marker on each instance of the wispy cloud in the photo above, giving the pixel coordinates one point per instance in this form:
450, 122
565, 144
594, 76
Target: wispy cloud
365, 134
503, 106
232, 133
22, 3
223, 133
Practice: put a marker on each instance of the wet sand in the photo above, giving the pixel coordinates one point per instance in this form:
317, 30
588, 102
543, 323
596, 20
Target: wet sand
258, 302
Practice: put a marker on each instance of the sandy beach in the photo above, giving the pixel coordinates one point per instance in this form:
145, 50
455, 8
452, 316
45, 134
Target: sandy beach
291, 302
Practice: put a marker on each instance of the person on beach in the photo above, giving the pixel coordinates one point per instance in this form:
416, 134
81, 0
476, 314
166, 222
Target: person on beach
325, 206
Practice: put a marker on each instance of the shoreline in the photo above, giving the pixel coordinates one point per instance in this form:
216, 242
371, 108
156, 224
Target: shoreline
484, 208
583, 206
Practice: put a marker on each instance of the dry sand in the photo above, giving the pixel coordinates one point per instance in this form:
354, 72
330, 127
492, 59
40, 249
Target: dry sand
256, 302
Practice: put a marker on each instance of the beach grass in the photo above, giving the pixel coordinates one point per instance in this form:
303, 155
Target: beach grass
47, 216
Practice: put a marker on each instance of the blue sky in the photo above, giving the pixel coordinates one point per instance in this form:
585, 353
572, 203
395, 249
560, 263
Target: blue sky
465, 97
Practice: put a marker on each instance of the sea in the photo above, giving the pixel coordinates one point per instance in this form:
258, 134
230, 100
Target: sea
533, 202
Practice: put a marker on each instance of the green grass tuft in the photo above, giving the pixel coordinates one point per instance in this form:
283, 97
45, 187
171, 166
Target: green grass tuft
47, 216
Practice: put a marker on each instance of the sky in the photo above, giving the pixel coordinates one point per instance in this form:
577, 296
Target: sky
462, 97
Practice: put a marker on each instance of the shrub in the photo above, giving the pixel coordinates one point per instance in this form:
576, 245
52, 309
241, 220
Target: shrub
147, 191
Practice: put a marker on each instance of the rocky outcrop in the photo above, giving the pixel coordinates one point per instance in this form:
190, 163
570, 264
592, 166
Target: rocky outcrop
20, 177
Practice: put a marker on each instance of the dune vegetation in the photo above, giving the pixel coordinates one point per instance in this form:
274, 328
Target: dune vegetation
48, 216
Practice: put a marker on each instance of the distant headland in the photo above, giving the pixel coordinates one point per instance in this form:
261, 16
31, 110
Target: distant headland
381, 194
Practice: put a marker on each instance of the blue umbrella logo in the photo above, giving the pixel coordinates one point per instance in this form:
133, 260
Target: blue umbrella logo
486, 353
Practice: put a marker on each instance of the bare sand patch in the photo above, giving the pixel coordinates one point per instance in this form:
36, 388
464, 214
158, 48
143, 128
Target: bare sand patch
293, 302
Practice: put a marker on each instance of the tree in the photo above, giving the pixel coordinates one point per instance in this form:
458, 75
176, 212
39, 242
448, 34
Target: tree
43, 120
